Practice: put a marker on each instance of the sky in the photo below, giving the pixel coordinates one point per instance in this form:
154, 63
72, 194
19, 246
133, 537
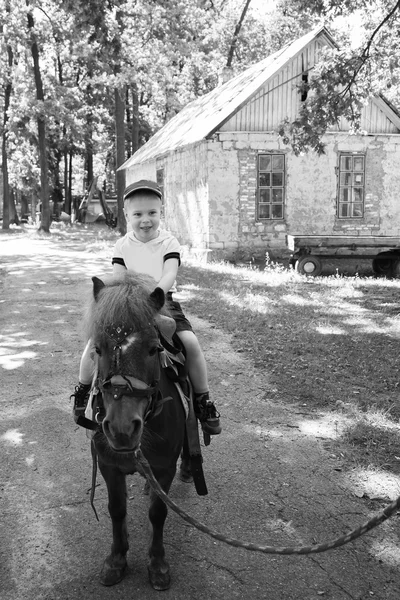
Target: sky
352, 23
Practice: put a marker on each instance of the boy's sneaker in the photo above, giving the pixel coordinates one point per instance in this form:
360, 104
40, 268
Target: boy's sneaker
80, 396
207, 414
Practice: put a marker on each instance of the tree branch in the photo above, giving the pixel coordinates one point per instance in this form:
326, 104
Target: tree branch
365, 53
236, 33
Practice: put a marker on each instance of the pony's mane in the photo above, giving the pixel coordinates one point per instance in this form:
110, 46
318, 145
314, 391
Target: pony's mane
123, 301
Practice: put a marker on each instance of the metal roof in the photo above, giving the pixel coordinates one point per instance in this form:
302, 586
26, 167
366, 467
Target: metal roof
202, 117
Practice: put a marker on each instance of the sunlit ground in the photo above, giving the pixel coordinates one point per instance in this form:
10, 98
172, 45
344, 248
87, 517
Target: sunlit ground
337, 306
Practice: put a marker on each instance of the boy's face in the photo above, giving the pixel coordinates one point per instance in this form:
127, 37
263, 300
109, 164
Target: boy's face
143, 212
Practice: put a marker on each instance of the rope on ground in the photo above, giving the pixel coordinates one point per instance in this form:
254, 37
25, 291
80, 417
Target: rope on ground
341, 541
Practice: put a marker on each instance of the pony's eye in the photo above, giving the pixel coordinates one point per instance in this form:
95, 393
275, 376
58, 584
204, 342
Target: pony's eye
98, 351
153, 350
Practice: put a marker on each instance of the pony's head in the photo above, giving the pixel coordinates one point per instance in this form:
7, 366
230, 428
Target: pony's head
123, 331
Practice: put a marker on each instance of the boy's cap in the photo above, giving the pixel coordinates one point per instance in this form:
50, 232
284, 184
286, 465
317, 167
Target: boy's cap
143, 184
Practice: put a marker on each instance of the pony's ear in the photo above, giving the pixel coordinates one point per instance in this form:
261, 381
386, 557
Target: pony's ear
98, 285
157, 298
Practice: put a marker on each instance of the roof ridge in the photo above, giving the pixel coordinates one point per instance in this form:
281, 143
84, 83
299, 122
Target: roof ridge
203, 115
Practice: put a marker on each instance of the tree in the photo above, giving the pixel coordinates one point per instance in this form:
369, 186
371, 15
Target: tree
41, 126
345, 78
7, 95
92, 77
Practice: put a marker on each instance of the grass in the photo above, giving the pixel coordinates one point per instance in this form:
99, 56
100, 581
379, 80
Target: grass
332, 342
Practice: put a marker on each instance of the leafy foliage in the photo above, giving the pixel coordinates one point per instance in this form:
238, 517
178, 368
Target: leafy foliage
161, 55
345, 79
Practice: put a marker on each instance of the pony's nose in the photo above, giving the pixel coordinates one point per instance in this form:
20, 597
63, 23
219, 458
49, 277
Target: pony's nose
124, 436
136, 427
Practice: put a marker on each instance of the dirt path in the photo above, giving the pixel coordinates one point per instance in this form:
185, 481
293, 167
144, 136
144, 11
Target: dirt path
271, 476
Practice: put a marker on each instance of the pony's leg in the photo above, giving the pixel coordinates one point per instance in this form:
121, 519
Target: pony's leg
115, 564
158, 567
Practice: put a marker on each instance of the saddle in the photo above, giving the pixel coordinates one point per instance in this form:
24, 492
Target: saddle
172, 357
172, 360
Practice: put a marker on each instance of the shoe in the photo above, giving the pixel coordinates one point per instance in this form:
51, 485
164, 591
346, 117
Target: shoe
81, 397
211, 424
208, 415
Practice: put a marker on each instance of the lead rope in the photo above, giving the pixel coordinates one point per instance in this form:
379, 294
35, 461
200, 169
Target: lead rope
341, 541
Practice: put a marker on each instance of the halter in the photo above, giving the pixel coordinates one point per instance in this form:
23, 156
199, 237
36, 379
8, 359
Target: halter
118, 334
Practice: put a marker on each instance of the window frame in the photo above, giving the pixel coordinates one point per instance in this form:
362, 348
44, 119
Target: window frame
272, 188
342, 186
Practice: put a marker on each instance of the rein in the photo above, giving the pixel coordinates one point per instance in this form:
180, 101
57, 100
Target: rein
376, 520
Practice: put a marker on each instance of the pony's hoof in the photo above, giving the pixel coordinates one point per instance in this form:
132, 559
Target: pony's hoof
185, 475
159, 578
112, 573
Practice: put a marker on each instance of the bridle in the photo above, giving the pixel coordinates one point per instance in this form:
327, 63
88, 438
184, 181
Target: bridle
110, 385
118, 334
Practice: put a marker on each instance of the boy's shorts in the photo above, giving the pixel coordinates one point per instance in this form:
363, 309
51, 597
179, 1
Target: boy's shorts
176, 312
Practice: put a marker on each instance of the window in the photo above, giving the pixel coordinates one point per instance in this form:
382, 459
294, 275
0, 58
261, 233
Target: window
351, 186
271, 186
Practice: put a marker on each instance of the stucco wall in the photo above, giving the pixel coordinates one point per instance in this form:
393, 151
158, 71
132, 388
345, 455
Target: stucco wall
186, 208
311, 190
186, 194
210, 191
142, 171
223, 176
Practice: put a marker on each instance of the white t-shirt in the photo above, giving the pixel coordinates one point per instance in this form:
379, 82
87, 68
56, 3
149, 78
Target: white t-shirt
146, 257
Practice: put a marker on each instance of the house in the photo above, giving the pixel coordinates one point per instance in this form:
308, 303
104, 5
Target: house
233, 187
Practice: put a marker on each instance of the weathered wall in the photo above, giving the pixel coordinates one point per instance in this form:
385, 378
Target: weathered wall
210, 191
186, 194
142, 171
311, 190
252, 237
223, 176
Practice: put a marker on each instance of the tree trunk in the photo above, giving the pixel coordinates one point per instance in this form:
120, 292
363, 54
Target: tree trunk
135, 120
34, 202
120, 155
67, 205
41, 123
69, 170
14, 219
24, 206
6, 187
89, 147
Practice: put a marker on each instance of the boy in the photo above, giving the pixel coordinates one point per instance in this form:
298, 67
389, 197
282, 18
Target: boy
148, 250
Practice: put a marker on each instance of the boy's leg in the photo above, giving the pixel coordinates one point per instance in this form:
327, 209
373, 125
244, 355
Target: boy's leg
81, 393
86, 367
197, 368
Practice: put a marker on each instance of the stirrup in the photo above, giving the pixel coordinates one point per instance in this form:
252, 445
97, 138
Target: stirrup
80, 398
208, 416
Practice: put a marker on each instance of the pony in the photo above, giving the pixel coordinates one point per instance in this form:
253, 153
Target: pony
137, 407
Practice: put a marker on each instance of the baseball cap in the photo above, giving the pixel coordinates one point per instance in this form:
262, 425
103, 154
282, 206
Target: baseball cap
143, 184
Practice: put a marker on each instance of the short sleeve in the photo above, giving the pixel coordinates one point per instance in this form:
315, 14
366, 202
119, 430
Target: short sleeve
118, 258
172, 249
